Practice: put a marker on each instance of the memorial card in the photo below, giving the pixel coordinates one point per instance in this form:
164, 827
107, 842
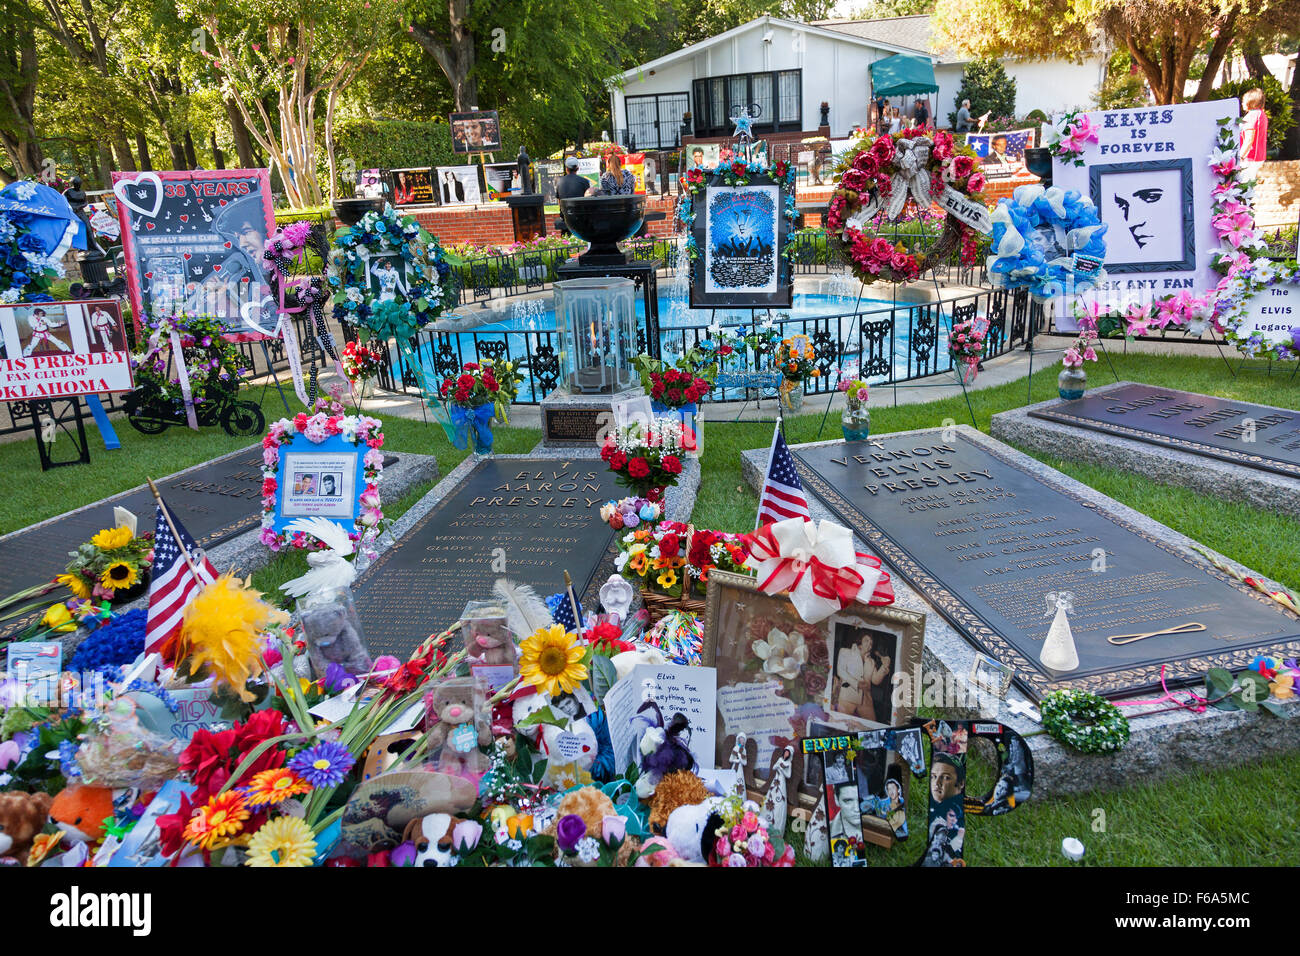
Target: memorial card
320, 480
62, 350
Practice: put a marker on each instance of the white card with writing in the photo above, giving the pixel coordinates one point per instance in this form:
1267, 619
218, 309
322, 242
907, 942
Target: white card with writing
675, 689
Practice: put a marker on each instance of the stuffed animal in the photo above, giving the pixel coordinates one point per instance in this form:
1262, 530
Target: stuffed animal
676, 789
490, 642
333, 640
664, 750
79, 811
22, 815
432, 838
691, 829
451, 703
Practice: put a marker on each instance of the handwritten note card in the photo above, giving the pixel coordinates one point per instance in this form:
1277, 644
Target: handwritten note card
676, 689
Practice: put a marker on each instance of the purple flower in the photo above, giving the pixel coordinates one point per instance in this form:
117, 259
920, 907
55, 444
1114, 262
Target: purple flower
404, 855
613, 829
337, 678
324, 765
1295, 336
569, 831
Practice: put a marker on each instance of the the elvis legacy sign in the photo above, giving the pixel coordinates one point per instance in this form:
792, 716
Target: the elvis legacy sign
62, 350
741, 234
194, 241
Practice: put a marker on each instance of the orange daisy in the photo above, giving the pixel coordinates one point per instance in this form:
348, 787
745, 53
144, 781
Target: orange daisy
274, 786
219, 819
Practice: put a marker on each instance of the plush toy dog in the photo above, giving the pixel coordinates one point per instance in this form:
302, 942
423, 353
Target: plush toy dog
79, 811
432, 838
22, 815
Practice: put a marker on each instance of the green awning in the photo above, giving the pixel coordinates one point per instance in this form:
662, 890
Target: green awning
902, 74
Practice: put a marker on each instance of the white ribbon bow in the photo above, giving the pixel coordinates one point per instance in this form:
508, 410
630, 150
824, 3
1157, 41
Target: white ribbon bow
912, 176
810, 553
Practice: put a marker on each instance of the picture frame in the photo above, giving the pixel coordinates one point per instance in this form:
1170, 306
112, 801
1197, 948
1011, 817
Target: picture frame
738, 614
741, 233
39, 343
412, 186
1136, 200
475, 131
989, 674
326, 478
458, 185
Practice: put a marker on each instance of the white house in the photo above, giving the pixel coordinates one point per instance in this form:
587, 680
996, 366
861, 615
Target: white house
787, 68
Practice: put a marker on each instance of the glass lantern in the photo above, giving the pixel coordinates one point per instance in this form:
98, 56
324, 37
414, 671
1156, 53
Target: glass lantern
597, 323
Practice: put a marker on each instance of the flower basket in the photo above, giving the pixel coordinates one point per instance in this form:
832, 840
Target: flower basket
658, 604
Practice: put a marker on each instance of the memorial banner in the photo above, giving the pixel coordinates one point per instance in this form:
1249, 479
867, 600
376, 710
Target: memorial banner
194, 240
62, 350
741, 234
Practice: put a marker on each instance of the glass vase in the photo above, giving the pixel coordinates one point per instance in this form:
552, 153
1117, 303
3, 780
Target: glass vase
483, 441
1071, 383
965, 372
332, 628
856, 424
792, 395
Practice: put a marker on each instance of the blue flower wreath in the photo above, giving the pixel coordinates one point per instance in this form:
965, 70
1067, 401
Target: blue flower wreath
1023, 255
426, 268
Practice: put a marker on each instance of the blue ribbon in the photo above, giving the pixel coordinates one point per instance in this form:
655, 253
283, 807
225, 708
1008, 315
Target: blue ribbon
478, 418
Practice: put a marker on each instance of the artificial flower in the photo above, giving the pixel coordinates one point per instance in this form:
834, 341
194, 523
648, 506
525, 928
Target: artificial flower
118, 575
325, 764
111, 538
219, 819
76, 584
782, 654
569, 831
274, 786
59, 618
667, 579
465, 835
551, 661
222, 630
284, 841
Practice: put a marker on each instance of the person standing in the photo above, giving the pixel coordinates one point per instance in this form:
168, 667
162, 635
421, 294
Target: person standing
963, 117
1254, 130
921, 113
615, 180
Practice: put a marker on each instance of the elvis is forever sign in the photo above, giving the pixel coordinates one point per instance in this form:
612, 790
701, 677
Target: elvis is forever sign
741, 236
194, 240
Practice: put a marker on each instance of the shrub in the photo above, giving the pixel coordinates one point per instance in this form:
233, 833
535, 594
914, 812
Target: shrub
1277, 104
988, 87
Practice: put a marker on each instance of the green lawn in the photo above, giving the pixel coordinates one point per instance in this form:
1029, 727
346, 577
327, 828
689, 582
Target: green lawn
1228, 817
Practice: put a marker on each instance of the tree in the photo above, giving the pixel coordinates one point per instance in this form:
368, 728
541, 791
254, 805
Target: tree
879, 9
277, 59
701, 19
19, 68
1162, 36
990, 90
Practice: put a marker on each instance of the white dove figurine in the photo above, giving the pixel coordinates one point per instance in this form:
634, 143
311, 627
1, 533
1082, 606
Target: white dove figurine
331, 569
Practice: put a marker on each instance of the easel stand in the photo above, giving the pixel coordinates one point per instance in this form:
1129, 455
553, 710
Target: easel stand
47, 423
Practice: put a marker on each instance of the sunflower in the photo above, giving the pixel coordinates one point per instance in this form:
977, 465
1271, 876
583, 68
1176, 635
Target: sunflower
550, 661
110, 539
223, 628
220, 818
284, 841
75, 583
119, 576
274, 786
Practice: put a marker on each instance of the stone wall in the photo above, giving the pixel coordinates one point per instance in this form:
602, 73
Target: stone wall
1277, 194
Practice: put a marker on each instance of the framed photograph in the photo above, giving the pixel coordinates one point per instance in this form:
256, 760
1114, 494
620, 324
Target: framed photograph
880, 760
991, 675
497, 178
62, 350
741, 234
478, 131
1150, 213
458, 185
386, 275
324, 479
411, 186
776, 671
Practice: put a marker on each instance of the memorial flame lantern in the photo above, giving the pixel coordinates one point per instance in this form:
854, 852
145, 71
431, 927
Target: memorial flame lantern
597, 323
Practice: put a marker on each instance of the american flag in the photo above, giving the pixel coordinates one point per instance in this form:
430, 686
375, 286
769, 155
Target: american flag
173, 582
782, 495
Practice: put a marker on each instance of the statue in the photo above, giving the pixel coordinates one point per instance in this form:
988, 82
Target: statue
524, 166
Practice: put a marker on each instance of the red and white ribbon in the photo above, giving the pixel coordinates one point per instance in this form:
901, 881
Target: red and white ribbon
817, 564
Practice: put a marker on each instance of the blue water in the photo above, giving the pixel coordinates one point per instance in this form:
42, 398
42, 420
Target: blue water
525, 325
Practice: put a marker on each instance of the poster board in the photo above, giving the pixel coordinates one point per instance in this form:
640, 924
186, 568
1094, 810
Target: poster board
476, 131
412, 186
741, 234
323, 479
1002, 154
1150, 178
193, 241
458, 185
548, 175
63, 349
497, 178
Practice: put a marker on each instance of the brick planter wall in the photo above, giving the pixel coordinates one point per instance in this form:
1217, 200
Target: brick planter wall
1277, 194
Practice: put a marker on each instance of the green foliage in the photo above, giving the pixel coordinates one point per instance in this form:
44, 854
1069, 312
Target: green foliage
1277, 104
1123, 87
880, 9
988, 87
394, 144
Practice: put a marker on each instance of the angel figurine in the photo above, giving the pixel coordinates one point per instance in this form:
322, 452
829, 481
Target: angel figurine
1058, 652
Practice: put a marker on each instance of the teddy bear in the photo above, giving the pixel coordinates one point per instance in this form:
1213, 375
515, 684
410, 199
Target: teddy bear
490, 642
332, 639
80, 810
451, 705
22, 815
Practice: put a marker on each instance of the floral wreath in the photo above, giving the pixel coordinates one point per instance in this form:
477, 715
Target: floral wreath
327, 421
211, 361
736, 173
1019, 252
1240, 244
26, 271
878, 179
1066, 138
1086, 722
1234, 295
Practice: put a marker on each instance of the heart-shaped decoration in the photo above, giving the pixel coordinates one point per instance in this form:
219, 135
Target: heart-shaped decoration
185, 255
190, 287
144, 194
226, 244
260, 316
185, 218
244, 280
148, 275
216, 268
149, 226
223, 202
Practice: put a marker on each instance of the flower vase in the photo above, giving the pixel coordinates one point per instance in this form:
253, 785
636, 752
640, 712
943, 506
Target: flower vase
792, 395
856, 424
482, 440
1071, 382
691, 422
965, 371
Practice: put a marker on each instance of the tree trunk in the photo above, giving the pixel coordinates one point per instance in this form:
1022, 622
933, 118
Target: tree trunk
218, 157
243, 143
18, 89
456, 59
142, 149
1256, 68
177, 151
1291, 145
190, 156
105, 164
122, 150
1218, 50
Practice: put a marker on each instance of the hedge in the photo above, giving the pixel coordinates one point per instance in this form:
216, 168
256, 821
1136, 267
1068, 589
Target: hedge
399, 144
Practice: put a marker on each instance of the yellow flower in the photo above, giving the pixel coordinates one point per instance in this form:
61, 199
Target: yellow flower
111, 539
75, 583
1283, 687
219, 819
550, 661
519, 826
222, 629
58, 618
667, 579
284, 841
274, 786
118, 575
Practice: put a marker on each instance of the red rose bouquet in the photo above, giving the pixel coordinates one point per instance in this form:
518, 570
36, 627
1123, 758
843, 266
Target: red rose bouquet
645, 461
966, 344
674, 389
